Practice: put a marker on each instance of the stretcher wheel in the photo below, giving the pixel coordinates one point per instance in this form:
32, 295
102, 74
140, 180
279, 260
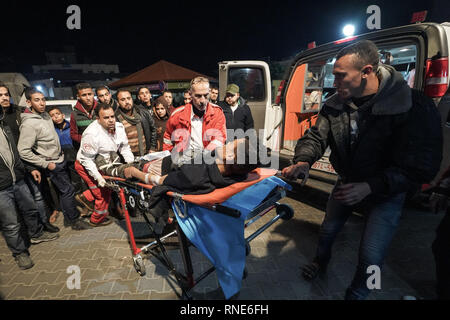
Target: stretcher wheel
139, 265
285, 211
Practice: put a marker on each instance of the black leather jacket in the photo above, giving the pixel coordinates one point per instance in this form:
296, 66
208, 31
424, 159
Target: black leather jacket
386, 155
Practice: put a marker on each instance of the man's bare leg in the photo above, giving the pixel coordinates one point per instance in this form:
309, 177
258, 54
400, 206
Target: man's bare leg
132, 172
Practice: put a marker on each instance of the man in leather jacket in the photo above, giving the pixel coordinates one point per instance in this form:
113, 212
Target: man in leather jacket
364, 124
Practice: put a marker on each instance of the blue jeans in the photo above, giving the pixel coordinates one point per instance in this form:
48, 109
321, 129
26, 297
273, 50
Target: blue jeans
382, 215
19, 195
61, 180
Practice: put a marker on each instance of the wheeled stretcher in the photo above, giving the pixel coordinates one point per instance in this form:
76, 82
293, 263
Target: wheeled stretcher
214, 223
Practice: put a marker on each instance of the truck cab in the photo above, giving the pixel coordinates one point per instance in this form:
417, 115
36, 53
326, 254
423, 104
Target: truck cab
419, 51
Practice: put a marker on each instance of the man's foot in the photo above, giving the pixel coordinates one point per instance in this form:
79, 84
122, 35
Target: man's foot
24, 261
50, 228
54, 216
79, 224
312, 270
102, 223
81, 199
44, 237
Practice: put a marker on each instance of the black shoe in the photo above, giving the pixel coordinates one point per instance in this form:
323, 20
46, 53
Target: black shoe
50, 228
44, 237
80, 224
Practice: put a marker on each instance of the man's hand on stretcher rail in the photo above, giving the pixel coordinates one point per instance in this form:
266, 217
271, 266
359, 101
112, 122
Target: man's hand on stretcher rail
300, 170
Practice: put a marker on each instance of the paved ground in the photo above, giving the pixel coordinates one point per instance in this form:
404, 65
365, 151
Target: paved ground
104, 258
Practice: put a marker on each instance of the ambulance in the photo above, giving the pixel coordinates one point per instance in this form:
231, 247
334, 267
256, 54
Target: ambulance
420, 52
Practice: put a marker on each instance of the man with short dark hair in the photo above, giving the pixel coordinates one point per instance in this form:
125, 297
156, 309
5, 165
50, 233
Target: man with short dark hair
139, 124
103, 137
83, 114
104, 96
13, 120
236, 110
39, 145
144, 97
214, 95
365, 124
14, 194
12, 111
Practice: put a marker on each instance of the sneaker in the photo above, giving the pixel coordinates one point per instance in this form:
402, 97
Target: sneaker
44, 237
80, 224
81, 199
24, 261
102, 223
50, 228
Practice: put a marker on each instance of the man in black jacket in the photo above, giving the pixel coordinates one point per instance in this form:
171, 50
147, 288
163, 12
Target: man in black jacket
236, 111
139, 124
365, 125
43, 200
14, 192
104, 96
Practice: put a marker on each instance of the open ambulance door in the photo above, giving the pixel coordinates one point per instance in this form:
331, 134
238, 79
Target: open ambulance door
253, 79
307, 89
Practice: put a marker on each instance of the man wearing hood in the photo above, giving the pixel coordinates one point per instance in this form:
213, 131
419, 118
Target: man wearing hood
39, 145
365, 124
83, 114
236, 111
14, 193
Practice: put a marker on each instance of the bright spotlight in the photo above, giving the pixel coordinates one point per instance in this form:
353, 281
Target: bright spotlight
349, 30
39, 88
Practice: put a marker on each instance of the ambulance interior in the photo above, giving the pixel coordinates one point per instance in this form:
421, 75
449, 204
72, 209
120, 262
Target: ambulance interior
312, 84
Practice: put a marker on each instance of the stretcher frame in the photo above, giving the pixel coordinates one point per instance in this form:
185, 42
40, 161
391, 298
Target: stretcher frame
186, 281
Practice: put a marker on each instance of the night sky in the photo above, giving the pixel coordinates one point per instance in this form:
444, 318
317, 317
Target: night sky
193, 34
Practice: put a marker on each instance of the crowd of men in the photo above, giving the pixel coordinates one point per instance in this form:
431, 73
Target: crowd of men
364, 123
44, 154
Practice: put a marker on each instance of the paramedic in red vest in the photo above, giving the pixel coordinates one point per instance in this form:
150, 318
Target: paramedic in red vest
83, 114
197, 125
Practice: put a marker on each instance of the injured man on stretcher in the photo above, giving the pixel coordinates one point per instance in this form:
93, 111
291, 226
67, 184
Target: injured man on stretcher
223, 166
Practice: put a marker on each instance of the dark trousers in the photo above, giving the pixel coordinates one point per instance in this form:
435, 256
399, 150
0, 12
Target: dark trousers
38, 195
441, 251
61, 180
18, 195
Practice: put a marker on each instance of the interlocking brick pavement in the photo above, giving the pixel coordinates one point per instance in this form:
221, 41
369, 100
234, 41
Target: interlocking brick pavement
105, 260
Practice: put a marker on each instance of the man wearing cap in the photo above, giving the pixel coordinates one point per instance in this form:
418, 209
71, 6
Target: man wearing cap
237, 112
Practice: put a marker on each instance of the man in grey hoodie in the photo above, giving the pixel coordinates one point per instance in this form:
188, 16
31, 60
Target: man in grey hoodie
39, 145
367, 125
14, 193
